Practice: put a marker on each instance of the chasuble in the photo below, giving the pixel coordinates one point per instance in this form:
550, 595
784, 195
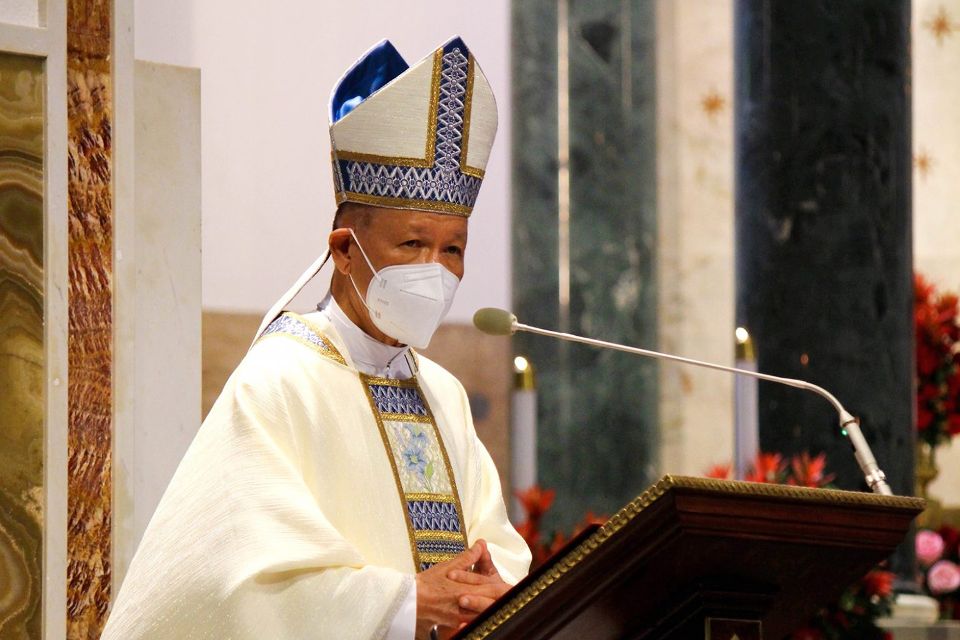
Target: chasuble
309, 498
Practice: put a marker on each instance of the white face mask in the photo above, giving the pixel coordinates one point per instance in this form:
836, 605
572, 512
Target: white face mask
408, 301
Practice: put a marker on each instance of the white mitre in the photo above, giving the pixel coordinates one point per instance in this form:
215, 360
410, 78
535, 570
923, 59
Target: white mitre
412, 137
408, 137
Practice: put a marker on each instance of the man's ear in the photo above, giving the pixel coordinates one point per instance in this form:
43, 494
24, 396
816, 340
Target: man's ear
339, 242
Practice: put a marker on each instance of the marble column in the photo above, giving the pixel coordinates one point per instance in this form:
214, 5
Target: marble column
22, 361
584, 229
90, 316
823, 223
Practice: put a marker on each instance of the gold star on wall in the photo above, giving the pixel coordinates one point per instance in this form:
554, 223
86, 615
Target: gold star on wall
713, 103
941, 26
923, 161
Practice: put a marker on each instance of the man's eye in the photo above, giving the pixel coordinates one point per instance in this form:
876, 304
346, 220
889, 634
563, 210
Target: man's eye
457, 251
412, 243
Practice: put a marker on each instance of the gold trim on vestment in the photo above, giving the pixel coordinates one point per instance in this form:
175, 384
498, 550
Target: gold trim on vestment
446, 461
644, 500
436, 557
465, 139
391, 382
329, 351
412, 383
366, 380
404, 417
438, 536
430, 497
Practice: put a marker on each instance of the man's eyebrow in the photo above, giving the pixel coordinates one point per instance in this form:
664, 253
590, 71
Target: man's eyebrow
423, 228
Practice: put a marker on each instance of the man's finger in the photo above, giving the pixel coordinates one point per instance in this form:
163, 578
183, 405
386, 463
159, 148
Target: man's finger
474, 604
465, 559
468, 577
485, 564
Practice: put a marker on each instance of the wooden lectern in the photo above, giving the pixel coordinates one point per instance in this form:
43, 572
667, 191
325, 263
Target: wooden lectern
703, 558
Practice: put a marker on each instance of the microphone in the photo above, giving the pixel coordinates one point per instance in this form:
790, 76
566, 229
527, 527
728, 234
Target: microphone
498, 322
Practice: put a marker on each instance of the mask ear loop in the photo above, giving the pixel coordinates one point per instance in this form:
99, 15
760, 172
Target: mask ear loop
362, 252
369, 264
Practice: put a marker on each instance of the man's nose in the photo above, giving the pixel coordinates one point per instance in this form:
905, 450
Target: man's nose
431, 254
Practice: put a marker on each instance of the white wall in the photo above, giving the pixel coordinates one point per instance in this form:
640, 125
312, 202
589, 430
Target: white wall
266, 73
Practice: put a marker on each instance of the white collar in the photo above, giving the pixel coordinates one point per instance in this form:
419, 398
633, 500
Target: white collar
369, 356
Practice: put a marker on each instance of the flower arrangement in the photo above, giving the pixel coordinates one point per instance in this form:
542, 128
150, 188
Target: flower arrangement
801, 470
536, 501
937, 331
854, 615
938, 554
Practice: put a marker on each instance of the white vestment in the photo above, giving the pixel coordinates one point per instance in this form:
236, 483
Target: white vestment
291, 514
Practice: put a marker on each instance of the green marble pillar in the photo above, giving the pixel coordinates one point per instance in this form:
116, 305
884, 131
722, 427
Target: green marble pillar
584, 229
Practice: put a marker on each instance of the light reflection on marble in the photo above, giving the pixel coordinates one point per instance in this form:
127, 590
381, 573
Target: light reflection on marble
597, 409
21, 345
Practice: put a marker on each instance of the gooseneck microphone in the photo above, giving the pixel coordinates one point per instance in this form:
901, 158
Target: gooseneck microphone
498, 322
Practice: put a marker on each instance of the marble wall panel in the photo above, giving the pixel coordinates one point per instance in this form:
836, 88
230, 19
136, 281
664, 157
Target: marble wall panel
21, 345
597, 428
90, 315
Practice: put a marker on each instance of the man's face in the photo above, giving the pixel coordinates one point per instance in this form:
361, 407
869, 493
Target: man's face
392, 237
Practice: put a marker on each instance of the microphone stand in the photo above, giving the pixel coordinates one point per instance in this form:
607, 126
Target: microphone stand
849, 425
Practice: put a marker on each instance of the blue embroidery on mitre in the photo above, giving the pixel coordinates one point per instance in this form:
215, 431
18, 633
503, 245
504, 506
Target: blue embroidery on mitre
442, 186
391, 399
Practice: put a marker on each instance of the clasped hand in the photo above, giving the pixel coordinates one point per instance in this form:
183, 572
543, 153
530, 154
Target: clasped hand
451, 594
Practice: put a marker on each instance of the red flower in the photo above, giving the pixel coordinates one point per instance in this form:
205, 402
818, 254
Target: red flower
536, 501
808, 472
953, 424
878, 583
721, 471
937, 338
529, 532
951, 540
558, 541
922, 289
769, 467
588, 520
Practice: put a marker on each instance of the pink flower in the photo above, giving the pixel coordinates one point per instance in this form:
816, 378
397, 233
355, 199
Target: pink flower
943, 577
929, 546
